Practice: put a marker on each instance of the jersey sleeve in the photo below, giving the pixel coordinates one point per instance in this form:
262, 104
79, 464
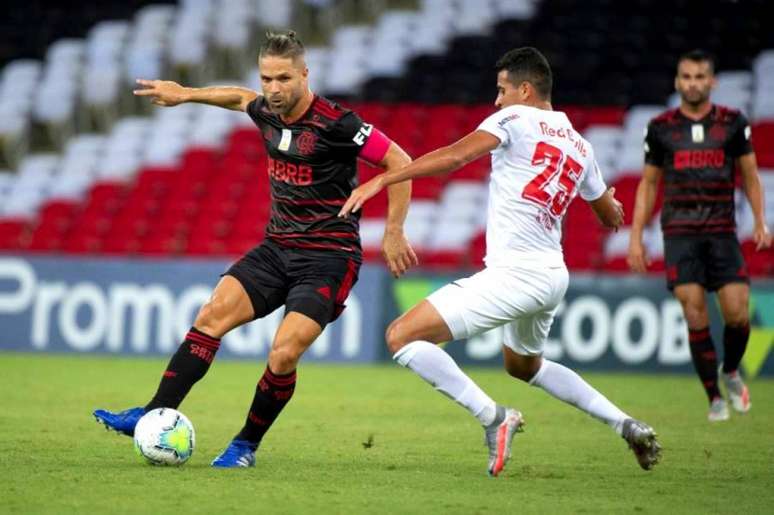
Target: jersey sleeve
254, 109
593, 184
654, 150
740, 142
500, 125
355, 138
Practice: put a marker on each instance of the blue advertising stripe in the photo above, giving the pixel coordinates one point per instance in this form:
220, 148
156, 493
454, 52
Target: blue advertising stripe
145, 307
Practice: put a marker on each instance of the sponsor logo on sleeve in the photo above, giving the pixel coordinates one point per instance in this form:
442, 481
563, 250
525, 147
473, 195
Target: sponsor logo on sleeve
507, 119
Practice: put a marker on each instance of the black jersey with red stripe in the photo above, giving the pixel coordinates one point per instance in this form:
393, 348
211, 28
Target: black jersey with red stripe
698, 160
312, 168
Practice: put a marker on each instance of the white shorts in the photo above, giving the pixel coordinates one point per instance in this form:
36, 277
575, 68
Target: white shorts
524, 299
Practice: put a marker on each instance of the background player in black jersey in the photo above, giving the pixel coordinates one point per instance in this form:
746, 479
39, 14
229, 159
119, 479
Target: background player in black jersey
310, 258
695, 150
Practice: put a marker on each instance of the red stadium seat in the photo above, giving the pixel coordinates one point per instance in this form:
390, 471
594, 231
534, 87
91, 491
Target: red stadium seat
160, 244
478, 170
444, 258
427, 188
11, 233
82, 244
237, 246
206, 247
758, 262
120, 244
762, 138
626, 193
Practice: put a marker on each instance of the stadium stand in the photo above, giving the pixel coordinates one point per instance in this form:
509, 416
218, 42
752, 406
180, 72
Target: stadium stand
89, 170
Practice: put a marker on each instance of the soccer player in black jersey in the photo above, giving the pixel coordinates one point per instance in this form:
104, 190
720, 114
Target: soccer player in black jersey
695, 150
310, 258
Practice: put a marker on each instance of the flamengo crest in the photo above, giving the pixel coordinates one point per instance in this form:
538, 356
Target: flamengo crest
305, 143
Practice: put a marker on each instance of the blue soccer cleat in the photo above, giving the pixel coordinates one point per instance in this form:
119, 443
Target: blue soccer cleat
239, 453
122, 422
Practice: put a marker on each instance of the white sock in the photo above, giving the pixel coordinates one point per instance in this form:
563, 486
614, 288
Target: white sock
566, 385
436, 367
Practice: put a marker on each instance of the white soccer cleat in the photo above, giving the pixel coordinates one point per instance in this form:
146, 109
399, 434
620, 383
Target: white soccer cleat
738, 393
499, 437
642, 441
718, 411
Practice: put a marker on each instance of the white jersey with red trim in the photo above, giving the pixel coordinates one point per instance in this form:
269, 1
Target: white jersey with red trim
538, 168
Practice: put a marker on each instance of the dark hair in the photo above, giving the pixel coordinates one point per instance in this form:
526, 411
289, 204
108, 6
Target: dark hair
528, 64
698, 56
282, 44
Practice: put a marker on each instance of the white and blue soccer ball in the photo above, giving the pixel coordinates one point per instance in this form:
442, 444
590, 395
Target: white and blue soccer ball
164, 436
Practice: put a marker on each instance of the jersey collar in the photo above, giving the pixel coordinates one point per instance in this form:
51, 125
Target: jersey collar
302, 115
707, 116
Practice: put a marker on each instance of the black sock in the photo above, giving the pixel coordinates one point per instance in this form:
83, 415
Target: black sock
271, 395
188, 365
734, 345
705, 360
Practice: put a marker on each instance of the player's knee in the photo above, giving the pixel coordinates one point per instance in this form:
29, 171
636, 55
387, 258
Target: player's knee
738, 318
284, 359
522, 369
210, 319
395, 336
695, 315
288, 347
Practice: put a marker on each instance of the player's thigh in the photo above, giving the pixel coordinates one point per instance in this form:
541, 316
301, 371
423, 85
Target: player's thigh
693, 299
228, 307
685, 259
527, 335
497, 296
319, 285
524, 339
725, 263
294, 336
734, 300
263, 277
422, 322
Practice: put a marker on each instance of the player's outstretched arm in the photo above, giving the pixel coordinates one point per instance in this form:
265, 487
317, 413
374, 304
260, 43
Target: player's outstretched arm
167, 93
643, 209
754, 192
396, 249
441, 161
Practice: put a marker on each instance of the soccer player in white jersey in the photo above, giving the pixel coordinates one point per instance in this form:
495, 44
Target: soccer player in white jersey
539, 164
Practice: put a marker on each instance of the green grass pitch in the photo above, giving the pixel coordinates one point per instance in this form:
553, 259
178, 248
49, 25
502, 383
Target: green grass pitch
371, 439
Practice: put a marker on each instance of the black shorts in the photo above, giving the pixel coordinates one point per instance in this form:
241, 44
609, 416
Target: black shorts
313, 283
712, 261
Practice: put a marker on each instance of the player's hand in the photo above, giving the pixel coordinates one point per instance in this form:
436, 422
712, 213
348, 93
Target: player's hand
619, 211
637, 258
165, 93
761, 237
397, 252
360, 195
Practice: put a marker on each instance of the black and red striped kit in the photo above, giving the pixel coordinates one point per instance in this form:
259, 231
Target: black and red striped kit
697, 219
310, 257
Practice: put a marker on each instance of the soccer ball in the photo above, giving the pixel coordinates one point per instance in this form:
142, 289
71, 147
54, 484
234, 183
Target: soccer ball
164, 436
